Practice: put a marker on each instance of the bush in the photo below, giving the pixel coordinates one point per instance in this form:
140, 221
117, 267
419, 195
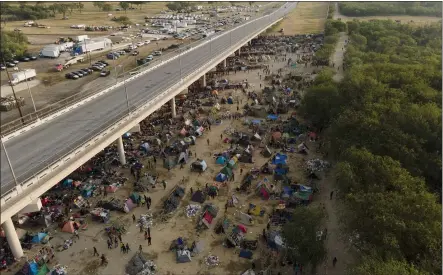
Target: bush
390, 8
24, 12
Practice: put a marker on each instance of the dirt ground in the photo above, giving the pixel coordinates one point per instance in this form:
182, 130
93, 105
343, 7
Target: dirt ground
308, 17
79, 260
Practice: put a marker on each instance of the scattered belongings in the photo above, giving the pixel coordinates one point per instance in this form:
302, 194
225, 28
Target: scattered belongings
192, 209
139, 265
212, 260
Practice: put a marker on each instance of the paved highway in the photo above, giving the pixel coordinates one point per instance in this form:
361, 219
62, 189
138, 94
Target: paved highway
34, 150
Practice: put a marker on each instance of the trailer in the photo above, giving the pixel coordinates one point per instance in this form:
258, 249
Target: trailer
80, 38
91, 45
63, 47
18, 77
52, 51
73, 60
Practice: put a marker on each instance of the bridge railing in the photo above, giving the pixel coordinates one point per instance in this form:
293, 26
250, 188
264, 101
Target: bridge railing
17, 124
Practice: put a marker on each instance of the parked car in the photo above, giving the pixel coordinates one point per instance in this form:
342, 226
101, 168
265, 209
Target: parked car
100, 65
139, 44
127, 50
157, 53
24, 59
2, 67
105, 73
147, 42
88, 70
135, 53
79, 74
10, 65
71, 76
84, 71
121, 52
96, 68
103, 62
14, 61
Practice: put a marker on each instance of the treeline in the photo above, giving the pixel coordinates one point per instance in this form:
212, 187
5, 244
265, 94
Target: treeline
38, 11
12, 44
332, 30
382, 124
390, 8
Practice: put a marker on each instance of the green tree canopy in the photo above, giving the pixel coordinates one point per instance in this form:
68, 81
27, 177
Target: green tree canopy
12, 44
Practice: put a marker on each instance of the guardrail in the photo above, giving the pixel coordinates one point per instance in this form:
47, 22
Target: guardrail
30, 121
114, 122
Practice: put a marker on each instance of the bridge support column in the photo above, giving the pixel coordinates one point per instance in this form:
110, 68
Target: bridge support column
121, 151
11, 236
224, 63
173, 111
204, 80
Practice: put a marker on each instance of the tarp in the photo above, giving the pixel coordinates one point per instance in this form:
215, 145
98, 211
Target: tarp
129, 205
245, 254
221, 177
227, 171
29, 268
168, 163
273, 117
183, 256
183, 158
69, 227
279, 159
232, 163
199, 165
135, 197
221, 160
39, 237
266, 152
43, 270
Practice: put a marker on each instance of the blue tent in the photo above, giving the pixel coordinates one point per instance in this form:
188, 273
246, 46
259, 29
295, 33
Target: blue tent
280, 171
39, 237
221, 177
221, 160
273, 117
67, 183
287, 191
230, 100
30, 268
256, 121
279, 159
245, 254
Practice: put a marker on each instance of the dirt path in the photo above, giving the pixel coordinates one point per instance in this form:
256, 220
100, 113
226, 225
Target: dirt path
336, 245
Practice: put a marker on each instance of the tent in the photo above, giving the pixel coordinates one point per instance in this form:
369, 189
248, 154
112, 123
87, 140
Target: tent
135, 197
43, 270
279, 159
183, 256
129, 205
244, 218
39, 237
232, 163
221, 160
227, 171
275, 241
69, 227
245, 158
67, 183
183, 158
199, 131
198, 196
221, 177
168, 163
199, 165
29, 268
230, 100
247, 254
266, 152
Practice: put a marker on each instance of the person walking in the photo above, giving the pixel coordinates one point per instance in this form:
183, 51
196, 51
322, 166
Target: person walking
127, 248
192, 191
149, 231
221, 136
207, 141
140, 249
115, 242
120, 237
155, 161
164, 184
334, 261
149, 240
331, 194
146, 235
109, 244
76, 234
241, 171
104, 260
148, 204
133, 218
122, 248
95, 251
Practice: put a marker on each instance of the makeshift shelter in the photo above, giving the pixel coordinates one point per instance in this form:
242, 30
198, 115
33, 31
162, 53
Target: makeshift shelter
29, 268
209, 213
135, 197
247, 254
221, 160
279, 159
183, 256
227, 171
276, 136
281, 169
182, 158
244, 218
199, 165
39, 237
199, 131
69, 226
245, 158
263, 190
198, 196
169, 163
275, 241
221, 177
67, 183
129, 205
43, 270
272, 117
266, 152
232, 163
230, 100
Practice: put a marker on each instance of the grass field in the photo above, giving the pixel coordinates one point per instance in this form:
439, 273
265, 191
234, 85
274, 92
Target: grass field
308, 17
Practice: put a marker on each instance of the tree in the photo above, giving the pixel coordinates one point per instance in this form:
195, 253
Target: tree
179, 6
12, 44
300, 237
71, 7
62, 8
124, 6
80, 7
99, 5
107, 7
370, 266
54, 8
250, 3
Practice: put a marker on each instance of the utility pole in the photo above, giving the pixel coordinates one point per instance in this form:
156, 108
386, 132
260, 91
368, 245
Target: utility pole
15, 96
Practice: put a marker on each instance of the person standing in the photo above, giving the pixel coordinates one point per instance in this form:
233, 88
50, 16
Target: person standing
164, 182
123, 248
334, 261
115, 242
109, 244
140, 249
133, 218
95, 252
331, 194
127, 248
146, 235
149, 240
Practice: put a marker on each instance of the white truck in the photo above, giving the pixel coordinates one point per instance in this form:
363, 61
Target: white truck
91, 45
63, 47
52, 51
27, 74
73, 60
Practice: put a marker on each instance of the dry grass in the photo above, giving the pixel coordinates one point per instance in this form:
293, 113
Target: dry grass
406, 19
90, 16
308, 17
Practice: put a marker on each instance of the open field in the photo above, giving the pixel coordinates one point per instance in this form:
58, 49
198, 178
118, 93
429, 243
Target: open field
308, 17
406, 19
